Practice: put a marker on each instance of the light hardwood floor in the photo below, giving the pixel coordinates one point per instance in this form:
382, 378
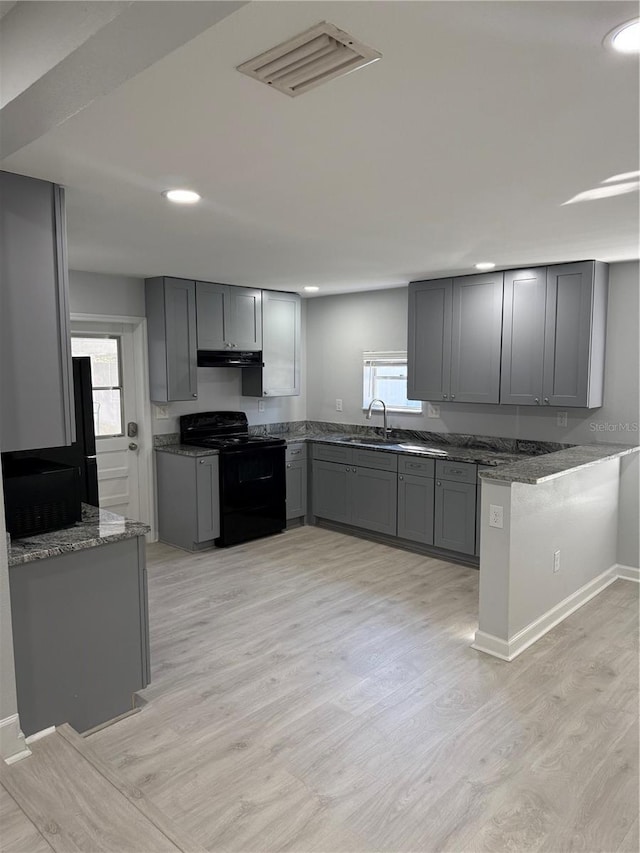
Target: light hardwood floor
317, 692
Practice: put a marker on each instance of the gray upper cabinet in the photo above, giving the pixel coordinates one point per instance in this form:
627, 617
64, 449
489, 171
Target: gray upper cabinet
171, 330
454, 339
525, 294
280, 374
554, 335
35, 351
429, 339
228, 317
574, 337
475, 338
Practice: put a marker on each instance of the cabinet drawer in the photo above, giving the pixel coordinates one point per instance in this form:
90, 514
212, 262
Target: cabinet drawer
333, 453
418, 467
375, 459
459, 472
294, 452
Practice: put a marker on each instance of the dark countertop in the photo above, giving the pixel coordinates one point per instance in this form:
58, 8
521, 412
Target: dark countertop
539, 469
410, 447
98, 527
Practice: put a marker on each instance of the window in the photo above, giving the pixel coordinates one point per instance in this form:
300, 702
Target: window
385, 377
106, 381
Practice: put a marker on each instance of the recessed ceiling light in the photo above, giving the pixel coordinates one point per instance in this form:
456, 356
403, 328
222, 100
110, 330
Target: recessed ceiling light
312, 289
181, 196
626, 176
485, 265
626, 37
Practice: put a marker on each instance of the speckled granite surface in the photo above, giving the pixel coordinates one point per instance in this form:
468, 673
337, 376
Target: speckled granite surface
185, 450
98, 527
539, 469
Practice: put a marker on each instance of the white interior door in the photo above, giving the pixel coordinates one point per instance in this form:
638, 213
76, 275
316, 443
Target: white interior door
112, 352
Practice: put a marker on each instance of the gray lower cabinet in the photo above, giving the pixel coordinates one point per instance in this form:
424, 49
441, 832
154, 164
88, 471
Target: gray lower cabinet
296, 480
455, 506
279, 374
416, 499
356, 494
80, 635
36, 378
171, 332
228, 317
188, 500
454, 339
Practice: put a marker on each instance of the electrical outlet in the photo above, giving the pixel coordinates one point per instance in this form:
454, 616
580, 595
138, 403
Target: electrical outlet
556, 561
261, 406
162, 413
338, 404
496, 516
561, 419
433, 411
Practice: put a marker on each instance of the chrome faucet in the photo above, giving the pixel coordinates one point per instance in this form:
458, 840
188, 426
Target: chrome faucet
385, 429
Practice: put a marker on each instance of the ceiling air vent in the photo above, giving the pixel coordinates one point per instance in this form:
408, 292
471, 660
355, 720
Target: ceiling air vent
315, 56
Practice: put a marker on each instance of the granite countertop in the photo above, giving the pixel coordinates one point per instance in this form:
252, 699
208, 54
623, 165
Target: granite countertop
97, 527
539, 469
185, 450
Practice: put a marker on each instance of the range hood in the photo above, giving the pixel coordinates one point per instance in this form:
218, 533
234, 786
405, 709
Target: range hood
228, 358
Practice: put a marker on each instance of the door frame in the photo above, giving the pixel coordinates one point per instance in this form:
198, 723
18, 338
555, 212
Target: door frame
143, 404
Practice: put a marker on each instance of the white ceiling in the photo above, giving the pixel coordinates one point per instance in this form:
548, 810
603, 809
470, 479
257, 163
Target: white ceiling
460, 145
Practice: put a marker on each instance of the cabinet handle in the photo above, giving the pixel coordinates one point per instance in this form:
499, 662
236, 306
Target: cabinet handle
537, 399
455, 471
201, 461
444, 396
438, 483
401, 477
453, 396
194, 395
288, 465
546, 399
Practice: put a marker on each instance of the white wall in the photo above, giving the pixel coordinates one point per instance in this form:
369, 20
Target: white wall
340, 328
113, 295
576, 514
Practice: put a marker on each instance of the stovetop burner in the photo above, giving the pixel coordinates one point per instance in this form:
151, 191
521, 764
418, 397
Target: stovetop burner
222, 431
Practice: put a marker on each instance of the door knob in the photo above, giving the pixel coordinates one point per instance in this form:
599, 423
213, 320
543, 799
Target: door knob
133, 445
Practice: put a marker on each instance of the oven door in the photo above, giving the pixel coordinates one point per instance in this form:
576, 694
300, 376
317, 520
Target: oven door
252, 493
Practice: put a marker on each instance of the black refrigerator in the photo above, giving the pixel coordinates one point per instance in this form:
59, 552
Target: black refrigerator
82, 453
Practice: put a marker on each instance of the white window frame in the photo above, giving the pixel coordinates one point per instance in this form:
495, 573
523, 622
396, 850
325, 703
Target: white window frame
119, 387
371, 360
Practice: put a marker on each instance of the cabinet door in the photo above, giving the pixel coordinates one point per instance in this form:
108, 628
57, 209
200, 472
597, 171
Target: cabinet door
296, 488
36, 378
415, 508
476, 338
212, 308
281, 344
208, 499
455, 516
568, 334
374, 500
180, 330
429, 340
523, 323
331, 483
244, 318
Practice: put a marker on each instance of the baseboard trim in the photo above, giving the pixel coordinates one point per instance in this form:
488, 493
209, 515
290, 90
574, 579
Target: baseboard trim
628, 573
39, 735
507, 650
13, 746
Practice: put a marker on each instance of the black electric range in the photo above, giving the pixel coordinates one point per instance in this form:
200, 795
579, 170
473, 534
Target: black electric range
252, 474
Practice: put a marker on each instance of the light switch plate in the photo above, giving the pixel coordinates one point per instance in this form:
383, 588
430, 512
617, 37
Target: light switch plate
162, 413
433, 411
338, 404
261, 406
